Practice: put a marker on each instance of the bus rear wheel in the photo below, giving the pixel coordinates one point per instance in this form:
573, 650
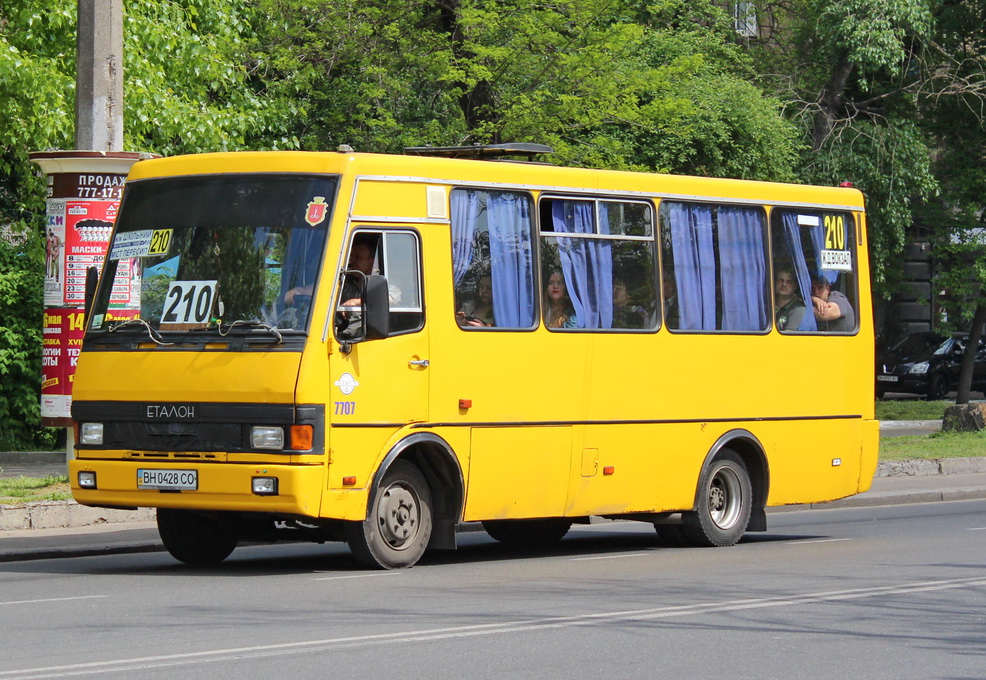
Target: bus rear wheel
398, 525
196, 538
528, 532
724, 502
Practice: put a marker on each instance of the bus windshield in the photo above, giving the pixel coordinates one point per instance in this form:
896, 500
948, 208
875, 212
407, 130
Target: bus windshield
224, 253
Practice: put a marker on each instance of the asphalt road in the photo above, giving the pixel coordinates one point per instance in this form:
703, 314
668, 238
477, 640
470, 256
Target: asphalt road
886, 592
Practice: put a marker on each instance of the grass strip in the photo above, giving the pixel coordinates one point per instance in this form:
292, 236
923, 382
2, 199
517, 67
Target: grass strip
934, 445
20, 490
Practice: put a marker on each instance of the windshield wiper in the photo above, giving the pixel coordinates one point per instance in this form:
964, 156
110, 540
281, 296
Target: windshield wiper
250, 324
152, 334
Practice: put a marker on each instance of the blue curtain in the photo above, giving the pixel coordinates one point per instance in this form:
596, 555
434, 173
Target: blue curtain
693, 253
793, 233
587, 264
817, 239
742, 269
512, 271
465, 213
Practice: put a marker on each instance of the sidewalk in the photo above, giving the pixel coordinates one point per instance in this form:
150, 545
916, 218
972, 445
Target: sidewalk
106, 533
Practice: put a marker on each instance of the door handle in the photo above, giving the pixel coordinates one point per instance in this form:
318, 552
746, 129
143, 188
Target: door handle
424, 363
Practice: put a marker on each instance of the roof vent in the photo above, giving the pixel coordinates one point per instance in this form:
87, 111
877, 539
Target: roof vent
482, 151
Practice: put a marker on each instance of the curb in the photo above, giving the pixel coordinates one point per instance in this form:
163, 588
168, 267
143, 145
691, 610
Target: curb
930, 467
65, 514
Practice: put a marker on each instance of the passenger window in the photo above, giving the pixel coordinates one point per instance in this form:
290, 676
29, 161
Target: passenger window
814, 271
598, 264
492, 259
396, 255
714, 261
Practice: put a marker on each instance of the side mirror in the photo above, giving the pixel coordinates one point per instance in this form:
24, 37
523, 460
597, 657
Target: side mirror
377, 305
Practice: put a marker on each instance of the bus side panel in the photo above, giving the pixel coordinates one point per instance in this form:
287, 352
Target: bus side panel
638, 468
517, 472
814, 461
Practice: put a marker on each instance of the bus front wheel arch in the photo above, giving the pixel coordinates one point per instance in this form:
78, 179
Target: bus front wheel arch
398, 523
723, 504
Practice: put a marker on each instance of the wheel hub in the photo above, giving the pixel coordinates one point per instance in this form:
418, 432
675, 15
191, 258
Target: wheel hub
398, 517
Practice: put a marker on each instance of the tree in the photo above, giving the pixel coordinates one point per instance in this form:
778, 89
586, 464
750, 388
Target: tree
642, 85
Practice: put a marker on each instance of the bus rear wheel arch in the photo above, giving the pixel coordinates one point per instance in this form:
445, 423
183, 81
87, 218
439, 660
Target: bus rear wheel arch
398, 523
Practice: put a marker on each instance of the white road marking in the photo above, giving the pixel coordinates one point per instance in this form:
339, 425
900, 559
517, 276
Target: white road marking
509, 627
53, 599
608, 557
817, 540
336, 578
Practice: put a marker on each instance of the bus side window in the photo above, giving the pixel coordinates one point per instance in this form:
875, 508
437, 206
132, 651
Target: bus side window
814, 271
598, 265
715, 267
395, 255
401, 264
492, 259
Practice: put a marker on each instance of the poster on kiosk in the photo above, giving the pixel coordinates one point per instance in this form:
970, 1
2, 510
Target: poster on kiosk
81, 210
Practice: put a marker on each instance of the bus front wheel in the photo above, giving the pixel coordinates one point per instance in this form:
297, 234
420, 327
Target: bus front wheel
398, 525
196, 538
723, 506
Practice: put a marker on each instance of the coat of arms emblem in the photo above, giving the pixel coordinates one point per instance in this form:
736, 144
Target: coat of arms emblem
316, 211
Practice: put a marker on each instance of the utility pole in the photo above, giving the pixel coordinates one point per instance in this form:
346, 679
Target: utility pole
99, 76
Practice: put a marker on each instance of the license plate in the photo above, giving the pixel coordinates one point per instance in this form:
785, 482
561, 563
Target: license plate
887, 378
168, 480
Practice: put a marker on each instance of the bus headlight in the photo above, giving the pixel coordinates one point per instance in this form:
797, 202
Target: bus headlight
91, 434
264, 437
87, 480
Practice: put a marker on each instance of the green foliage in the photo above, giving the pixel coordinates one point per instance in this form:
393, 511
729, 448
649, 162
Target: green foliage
892, 166
190, 88
635, 85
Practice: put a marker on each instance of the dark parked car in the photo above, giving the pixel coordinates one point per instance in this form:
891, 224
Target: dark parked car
927, 364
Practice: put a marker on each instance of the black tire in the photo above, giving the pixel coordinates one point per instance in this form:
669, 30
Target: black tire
196, 538
937, 388
528, 532
723, 503
672, 535
398, 525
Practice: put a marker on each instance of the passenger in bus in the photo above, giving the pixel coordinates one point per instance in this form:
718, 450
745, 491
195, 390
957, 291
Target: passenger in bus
361, 258
625, 313
478, 312
832, 309
789, 308
558, 312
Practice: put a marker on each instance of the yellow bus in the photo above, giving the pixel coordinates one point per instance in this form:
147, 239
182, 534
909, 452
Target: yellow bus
379, 348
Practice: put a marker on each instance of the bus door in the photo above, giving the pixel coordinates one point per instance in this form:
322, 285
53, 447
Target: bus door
380, 385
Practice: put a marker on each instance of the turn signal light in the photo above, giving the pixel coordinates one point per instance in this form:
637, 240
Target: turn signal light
302, 437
